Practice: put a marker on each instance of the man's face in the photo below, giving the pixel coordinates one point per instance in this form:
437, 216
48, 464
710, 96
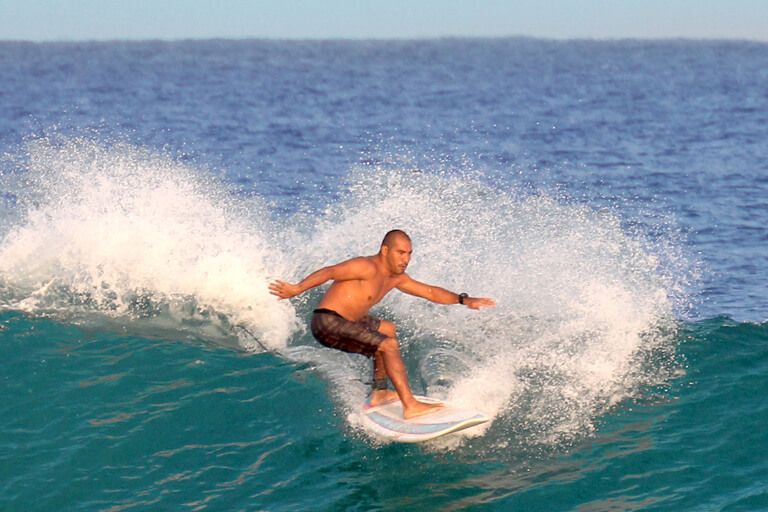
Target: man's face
399, 255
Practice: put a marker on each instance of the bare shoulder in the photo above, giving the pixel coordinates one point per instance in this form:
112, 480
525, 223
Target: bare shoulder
404, 280
361, 267
363, 262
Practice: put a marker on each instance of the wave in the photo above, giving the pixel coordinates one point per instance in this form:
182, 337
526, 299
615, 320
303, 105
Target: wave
118, 237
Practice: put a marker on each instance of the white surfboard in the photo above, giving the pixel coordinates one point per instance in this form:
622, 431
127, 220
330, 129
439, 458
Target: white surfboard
387, 421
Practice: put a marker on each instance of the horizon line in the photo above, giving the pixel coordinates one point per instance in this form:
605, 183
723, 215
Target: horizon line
391, 38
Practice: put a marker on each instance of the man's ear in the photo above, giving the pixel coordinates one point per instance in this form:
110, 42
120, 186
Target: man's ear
384, 250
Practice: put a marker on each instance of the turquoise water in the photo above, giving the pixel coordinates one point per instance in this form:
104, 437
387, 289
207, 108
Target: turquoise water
610, 196
114, 421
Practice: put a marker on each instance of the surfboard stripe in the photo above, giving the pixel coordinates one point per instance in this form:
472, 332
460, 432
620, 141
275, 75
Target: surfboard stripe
387, 421
403, 427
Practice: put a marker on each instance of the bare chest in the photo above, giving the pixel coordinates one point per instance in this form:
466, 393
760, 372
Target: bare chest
362, 293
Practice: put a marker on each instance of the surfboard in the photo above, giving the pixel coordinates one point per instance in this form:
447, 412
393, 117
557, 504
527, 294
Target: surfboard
387, 421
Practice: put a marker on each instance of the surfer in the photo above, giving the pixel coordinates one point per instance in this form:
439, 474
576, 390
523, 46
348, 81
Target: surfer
341, 320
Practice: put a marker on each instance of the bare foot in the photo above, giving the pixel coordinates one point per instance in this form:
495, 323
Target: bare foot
420, 409
383, 396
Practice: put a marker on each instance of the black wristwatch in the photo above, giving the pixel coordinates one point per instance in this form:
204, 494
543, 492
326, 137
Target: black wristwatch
462, 296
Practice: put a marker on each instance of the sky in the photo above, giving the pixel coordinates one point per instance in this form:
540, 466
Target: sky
78, 20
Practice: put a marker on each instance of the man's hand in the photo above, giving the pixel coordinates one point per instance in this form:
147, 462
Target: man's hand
283, 290
476, 303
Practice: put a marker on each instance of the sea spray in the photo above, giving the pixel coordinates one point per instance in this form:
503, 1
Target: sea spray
120, 233
581, 301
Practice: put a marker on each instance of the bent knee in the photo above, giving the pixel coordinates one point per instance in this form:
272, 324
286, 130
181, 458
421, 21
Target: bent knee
388, 328
389, 345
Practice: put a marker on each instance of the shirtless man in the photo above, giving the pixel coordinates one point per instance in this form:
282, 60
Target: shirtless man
341, 319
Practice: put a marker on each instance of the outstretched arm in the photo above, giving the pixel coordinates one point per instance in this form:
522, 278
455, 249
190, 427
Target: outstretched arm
285, 290
356, 268
440, 295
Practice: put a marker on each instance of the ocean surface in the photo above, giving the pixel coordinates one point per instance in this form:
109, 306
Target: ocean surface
612, 197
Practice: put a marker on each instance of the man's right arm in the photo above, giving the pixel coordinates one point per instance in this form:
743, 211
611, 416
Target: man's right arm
357, 268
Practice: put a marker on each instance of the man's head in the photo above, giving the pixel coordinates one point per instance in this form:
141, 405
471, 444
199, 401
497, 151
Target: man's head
396, 250
392, 236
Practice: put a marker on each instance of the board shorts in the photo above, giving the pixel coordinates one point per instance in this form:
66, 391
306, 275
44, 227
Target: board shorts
334, 331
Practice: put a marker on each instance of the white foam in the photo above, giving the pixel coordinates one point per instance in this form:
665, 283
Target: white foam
580, 299
123, 232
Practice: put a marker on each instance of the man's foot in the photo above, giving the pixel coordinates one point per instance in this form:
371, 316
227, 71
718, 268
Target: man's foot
420, 409
383, 396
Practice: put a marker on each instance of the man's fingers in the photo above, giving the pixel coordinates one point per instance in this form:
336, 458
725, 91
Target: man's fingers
277, 288
483, 303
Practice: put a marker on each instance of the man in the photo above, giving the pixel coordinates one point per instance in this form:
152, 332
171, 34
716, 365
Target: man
341, 319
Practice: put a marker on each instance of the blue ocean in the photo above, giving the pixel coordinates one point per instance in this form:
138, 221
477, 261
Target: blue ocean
611, 196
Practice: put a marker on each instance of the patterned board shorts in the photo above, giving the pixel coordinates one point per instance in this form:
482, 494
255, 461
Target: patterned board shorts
334, 331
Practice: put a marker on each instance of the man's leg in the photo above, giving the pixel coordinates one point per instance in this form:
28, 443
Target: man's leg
379, 370
389, 355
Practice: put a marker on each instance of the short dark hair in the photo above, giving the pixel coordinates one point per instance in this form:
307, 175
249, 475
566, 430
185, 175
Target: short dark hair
390, 237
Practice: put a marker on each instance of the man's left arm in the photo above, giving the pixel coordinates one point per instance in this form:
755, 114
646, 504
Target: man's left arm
441, 295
